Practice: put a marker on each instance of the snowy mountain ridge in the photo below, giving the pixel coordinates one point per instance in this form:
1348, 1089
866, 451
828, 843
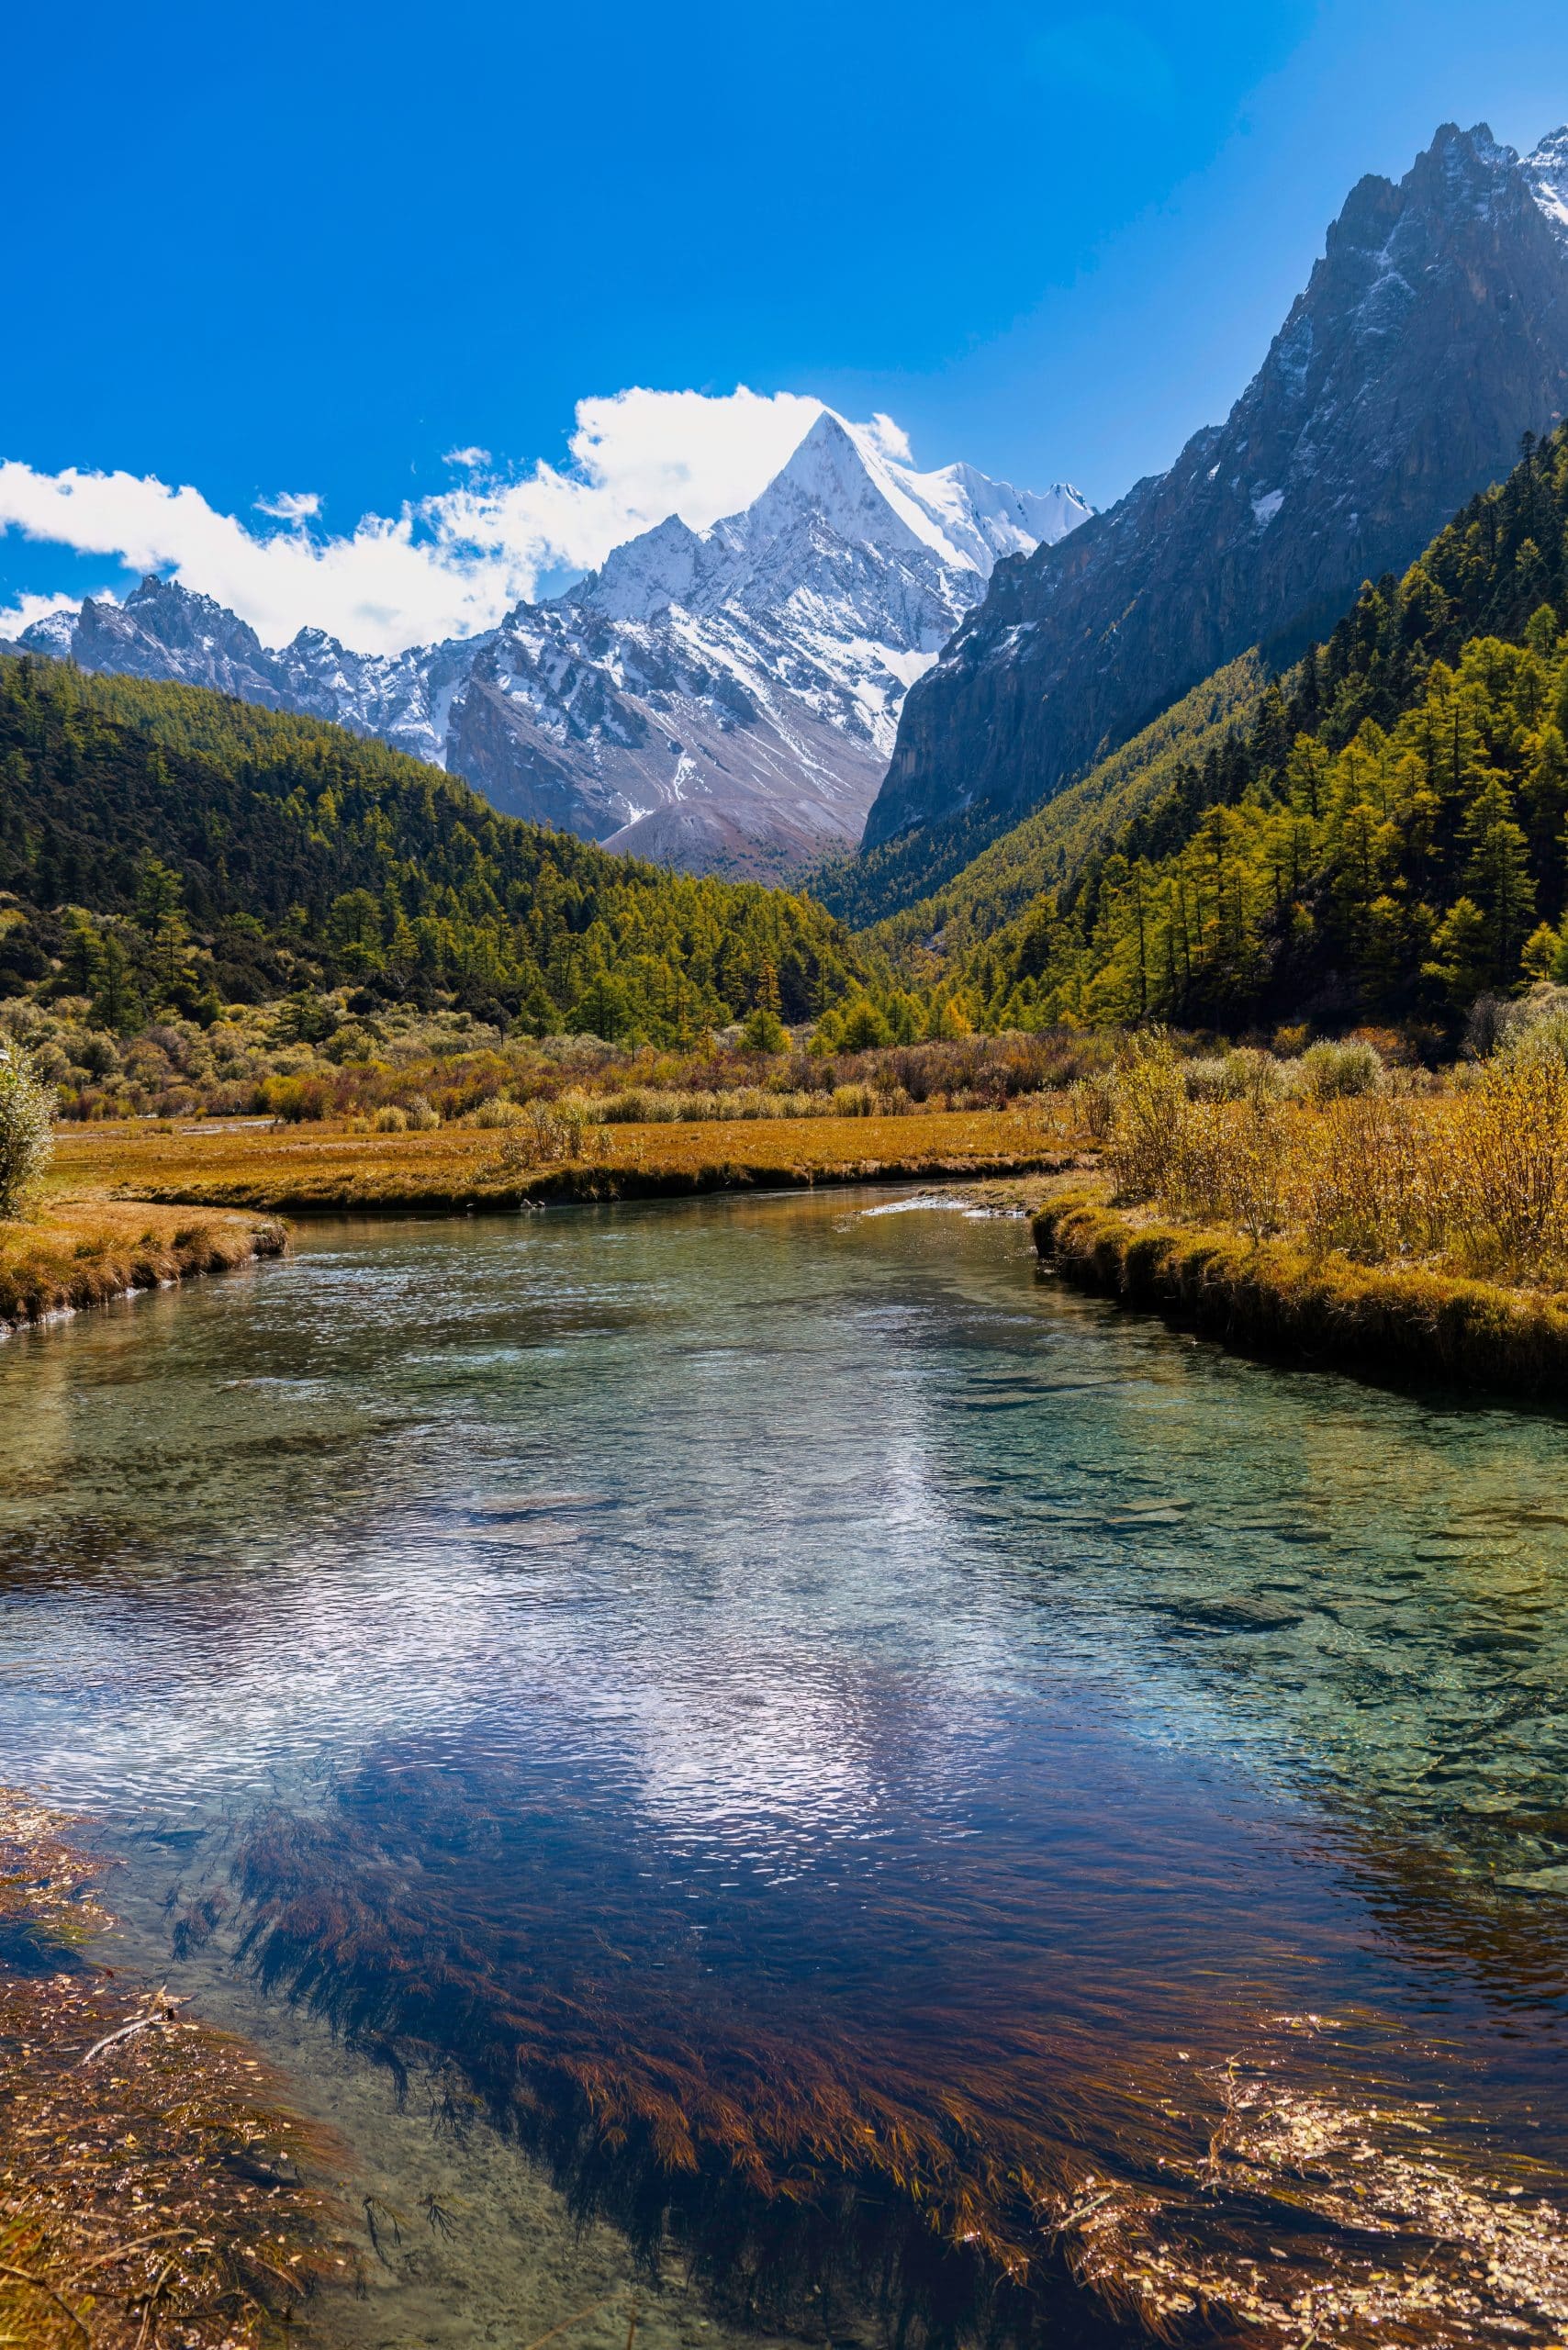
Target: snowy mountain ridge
1547, 170
721, 699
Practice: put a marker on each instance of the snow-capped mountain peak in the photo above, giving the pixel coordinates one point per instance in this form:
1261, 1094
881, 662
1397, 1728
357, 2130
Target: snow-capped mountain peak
846, 475
843, 478
1548, 170
722, 698
638, 581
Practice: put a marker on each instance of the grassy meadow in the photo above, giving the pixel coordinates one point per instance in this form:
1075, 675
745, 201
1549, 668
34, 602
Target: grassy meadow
328, 1165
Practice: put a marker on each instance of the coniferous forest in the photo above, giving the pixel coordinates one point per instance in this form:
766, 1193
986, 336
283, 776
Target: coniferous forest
169, 849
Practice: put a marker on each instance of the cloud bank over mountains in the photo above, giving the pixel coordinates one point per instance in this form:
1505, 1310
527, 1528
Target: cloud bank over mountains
447, 565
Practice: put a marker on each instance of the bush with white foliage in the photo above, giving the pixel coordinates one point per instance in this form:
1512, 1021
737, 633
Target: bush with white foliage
27, 1129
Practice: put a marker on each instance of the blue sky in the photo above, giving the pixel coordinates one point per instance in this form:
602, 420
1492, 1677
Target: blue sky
313, 250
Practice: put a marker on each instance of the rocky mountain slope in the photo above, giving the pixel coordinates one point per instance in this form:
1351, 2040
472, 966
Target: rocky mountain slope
722, 701
1432, 335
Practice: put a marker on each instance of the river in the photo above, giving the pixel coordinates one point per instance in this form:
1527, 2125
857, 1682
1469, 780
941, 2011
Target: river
849, 1753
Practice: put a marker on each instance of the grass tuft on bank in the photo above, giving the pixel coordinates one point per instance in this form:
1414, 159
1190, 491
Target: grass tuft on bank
151, 2190
1274, 1297
84, 1252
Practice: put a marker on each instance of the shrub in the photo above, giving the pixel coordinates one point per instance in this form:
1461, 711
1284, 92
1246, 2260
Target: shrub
497, 1112
1537, 1024
26, 1130
291, 1099
1093, 1104
1148, 1118
853, 1101
391, 1120
573, 1117
1334, 1072
1509, 1167
548, 1131
1207, 1079
423, 1114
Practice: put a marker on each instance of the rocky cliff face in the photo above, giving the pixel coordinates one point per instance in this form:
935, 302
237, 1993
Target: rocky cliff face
1432, 335
163, 630
722, 701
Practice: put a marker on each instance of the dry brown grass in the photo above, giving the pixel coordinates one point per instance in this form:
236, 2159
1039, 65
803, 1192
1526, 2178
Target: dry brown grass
153, 2192
1469, 1178
83, 1250
324, 1167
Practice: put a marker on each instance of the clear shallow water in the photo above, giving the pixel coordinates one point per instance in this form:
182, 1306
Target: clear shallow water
795, 1643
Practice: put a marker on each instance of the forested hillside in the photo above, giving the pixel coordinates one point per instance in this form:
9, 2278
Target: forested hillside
1051, 847
1384, 838
163, 847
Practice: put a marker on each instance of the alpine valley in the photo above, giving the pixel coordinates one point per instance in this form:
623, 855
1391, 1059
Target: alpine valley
1432, 336
722, 701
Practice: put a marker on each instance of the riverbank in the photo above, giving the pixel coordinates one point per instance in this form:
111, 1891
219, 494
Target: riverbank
83, 1251
1272, 1297
320, 1167
152, 2186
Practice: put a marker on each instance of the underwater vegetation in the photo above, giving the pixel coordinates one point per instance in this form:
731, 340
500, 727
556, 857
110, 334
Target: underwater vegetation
948, 2137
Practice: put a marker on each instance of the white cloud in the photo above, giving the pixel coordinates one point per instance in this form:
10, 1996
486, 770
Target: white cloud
890, 438
290, 504
470, 459
448, 565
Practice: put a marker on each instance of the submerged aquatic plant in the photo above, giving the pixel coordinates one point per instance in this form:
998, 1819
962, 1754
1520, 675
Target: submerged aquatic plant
982, 2144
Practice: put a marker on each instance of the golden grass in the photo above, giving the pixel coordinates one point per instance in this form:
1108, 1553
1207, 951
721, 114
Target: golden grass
324, 1167
150, 2192
1275, 1297
81, 1251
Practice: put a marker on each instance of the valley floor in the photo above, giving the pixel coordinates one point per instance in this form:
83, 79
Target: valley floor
324, 1165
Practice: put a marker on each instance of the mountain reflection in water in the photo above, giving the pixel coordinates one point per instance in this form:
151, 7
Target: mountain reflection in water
915, 1785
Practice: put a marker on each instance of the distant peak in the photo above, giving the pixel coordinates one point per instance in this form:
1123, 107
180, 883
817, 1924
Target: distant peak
1547, 171
828, 430
153, 588
830, 446
643, 577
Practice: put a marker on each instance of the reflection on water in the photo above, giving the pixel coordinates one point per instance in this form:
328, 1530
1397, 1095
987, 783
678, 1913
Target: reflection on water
764, 1695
